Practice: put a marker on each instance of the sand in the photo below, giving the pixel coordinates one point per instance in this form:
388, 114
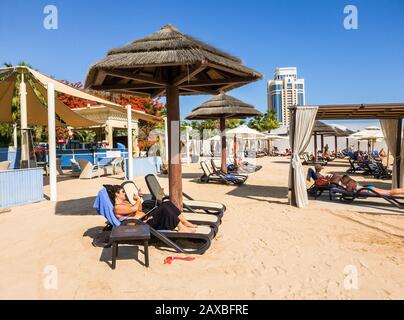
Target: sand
265, 248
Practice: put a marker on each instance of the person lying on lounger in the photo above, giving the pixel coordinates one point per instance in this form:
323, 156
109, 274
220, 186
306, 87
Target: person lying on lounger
351, 186
166, 217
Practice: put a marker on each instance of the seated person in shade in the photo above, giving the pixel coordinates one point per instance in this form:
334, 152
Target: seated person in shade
166, 217
351, 186
316, 175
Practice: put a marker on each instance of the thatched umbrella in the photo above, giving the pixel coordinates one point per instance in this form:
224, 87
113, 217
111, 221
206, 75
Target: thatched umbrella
223, 107
321, 128
171, 63
340, 131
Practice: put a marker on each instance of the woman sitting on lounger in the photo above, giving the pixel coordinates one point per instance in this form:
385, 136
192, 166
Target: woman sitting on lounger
352, 186
166, 217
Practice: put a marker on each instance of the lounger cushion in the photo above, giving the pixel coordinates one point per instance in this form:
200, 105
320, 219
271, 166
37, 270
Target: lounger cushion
201, 217
204, 204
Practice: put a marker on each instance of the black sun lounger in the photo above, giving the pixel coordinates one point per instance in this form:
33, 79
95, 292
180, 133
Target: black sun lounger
220, 177
307, 161
201, 239
198, 218
189, 203
364, 193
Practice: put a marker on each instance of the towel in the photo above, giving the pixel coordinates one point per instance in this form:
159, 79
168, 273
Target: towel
104, 207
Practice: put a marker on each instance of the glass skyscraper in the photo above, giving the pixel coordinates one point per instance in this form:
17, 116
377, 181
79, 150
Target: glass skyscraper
284, 91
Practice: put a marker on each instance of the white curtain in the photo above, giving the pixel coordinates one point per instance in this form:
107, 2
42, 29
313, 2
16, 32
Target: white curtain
302, 123
389, 128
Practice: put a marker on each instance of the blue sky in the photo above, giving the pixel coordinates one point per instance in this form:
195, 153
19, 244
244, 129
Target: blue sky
338, 65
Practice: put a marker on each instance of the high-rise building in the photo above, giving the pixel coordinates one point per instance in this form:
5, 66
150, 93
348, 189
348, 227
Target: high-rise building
284, 91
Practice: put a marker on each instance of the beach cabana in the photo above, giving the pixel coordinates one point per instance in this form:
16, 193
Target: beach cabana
302, 122
223, 107
170, 63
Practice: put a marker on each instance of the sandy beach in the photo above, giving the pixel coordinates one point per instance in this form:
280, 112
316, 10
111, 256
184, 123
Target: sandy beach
265, 248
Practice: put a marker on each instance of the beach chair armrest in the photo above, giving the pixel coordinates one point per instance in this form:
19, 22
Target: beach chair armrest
187, 196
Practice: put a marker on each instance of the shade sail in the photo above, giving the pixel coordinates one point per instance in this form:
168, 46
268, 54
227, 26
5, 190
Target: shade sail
6, 95
66, 89
67, 115
37, 113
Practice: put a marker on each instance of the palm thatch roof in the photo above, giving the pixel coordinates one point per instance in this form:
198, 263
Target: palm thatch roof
225, 106
169, 57
322, 128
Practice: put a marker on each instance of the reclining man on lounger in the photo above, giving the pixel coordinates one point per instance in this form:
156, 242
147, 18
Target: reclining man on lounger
351, 186
166, 217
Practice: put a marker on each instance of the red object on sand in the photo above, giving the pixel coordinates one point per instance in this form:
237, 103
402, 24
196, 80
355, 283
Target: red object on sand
169, 260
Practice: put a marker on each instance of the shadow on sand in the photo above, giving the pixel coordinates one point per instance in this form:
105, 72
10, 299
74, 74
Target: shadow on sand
261, 193
76, 207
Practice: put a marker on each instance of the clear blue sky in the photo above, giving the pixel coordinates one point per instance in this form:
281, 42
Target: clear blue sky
338, 65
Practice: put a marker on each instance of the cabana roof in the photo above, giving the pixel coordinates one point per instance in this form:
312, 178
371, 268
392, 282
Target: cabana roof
224, 106
141, 67
360, 111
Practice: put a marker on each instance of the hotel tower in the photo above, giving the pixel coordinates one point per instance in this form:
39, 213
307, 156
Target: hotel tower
284, 91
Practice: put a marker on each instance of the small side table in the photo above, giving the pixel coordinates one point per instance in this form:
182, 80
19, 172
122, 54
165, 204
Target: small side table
126, 234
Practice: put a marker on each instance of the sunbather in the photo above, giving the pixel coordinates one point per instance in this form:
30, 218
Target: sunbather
166, 217
351, 186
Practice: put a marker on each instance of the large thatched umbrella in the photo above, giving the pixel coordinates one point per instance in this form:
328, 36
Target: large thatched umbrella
171, 63
223, 107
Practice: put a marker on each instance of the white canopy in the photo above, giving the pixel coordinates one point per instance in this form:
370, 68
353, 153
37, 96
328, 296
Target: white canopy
368, 134
245, 132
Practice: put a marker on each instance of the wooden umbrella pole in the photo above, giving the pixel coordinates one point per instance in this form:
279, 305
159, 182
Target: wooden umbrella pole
235, 150
174, 157
336, 145
223, 137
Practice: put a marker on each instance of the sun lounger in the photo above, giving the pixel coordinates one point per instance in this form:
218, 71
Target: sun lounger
377, 169
88, 170
364, 193
316, 190
197, 218
202, 236
307, 161
356, 167
220, 177
241, 171
189, 203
